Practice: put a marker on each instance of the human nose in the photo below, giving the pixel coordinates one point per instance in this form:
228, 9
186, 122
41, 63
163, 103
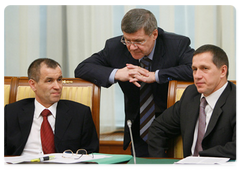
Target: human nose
197, 74
57, 85
133, 46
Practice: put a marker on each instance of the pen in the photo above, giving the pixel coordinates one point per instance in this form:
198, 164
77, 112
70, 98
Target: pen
45, 158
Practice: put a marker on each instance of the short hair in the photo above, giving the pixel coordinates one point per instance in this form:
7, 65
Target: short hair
136, 19
35, 66
220, 58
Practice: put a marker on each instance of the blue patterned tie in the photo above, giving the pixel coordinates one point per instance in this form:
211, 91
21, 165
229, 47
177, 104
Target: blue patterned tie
147, 106
201, 126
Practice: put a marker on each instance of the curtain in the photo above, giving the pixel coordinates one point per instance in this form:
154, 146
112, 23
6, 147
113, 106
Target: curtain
70, 34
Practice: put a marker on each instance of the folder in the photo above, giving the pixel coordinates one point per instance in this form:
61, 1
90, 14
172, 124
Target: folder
153, 161
113, 158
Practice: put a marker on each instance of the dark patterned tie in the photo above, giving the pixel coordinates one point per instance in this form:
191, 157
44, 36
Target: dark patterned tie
47, 136
201, 126
147, 106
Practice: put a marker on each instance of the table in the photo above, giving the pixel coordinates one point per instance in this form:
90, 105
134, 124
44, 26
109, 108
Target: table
153, 160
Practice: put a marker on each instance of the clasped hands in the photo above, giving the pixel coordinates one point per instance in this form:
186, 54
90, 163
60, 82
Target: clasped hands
134, 74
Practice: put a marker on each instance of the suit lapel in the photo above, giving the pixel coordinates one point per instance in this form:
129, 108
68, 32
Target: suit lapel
217, 110
158, 62
63, 119
25, 118
190, 121
194, 109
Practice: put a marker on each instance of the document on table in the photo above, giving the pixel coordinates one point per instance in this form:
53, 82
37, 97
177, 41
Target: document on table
58, 158
202, 160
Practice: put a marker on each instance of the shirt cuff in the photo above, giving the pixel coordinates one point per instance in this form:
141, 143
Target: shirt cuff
112, 76
156, 76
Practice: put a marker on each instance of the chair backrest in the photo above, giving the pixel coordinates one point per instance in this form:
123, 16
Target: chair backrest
74, 89
175, 91
7, 88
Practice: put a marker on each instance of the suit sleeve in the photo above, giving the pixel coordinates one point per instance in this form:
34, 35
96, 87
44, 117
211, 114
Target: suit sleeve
183, 54
96, 68
162, 129
5, 132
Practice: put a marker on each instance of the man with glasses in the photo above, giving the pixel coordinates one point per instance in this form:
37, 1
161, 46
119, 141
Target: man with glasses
142, 61
45, 124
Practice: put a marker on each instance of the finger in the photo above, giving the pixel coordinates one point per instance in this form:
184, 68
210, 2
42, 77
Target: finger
136, 70
143, 72
136, 84
131, 66
140, 78
133, 80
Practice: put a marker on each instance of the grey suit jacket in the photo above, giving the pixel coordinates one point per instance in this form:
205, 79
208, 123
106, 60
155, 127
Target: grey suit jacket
181, 118
74, 127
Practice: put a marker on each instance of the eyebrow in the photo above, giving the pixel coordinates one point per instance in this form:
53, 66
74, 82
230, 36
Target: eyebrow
53, 78
138, 39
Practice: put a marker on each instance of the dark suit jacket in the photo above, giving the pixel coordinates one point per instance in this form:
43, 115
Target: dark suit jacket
181, 118
172, 56
74, 127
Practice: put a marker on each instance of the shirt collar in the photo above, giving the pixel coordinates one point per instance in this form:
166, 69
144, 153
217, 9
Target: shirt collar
213, 98
39, 108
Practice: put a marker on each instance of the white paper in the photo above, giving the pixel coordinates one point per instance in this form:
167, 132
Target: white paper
202, 160
57, 158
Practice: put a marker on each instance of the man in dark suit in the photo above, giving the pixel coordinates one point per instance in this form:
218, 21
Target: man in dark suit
71, 123
170, 58
218, 138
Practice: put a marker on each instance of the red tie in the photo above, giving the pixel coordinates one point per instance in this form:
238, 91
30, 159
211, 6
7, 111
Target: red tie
47, 136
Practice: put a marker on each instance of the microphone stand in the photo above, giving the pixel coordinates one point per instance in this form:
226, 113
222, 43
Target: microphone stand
129, 123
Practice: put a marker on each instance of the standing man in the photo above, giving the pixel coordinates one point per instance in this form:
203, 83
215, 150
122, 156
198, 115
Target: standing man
142, 61
45, 124
205, 116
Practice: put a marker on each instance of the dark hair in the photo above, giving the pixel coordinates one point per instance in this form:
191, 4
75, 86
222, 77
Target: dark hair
136, 19
220, 58
34, 68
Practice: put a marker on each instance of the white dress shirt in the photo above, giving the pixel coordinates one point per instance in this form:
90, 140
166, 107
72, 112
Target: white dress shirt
33, 145
211, 102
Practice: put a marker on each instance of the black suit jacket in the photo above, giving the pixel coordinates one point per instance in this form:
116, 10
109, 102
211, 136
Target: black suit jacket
74, 127
181, 118
172, 56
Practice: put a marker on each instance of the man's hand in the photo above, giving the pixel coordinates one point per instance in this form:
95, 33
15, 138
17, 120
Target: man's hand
134, 74
150, 78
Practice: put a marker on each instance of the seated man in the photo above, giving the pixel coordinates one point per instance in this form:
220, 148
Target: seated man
47, 124
209, 128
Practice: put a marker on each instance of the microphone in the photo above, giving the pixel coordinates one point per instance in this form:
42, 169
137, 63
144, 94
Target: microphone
129, 123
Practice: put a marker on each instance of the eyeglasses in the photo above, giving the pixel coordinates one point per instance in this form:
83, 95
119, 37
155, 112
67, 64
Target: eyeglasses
80, 152
136, 44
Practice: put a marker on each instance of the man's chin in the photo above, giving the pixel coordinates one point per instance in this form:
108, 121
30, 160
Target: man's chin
55, 99
137, 57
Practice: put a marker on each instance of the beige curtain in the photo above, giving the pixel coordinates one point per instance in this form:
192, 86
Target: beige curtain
69, 34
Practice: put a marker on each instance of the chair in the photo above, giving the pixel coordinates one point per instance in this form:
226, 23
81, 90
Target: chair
175, 91
7, 88
74, 89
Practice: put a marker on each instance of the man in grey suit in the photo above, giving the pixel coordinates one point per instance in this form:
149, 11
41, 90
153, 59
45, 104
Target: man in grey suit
210, 72
70, 123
